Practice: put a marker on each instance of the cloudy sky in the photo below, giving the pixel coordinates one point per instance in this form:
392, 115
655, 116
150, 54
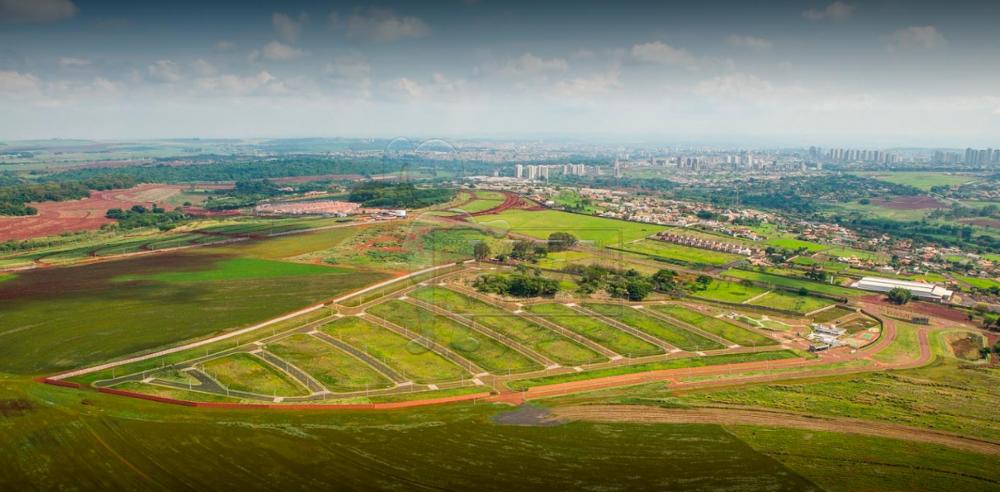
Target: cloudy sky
889, 72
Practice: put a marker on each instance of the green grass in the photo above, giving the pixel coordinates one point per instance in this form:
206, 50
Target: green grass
684, 254
905, 347
244, 372
678, 363
791, 283
539, 224
831, 314
838, 252
239, 269
480, 204
716, 326
595, 330
536, 337
728, 291
792, 243
978, 282
674, 335
480, 349
174, 393
336, 370
921, 179
791, 302
4, 277
399, 353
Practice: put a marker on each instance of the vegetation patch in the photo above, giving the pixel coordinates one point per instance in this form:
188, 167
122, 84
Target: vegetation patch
244, 372
674, 335
791, 302
716, 326
680, 253
336, 370
594, 329
540, 224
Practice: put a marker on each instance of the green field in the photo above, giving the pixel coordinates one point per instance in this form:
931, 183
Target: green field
336, 370
716, 326
793, 244
978, 282
831, 314
238, 269
685, 254
539, 224
922, 180
791, 302
538, 338
401, 354
480, 349
484, 200
595, 330
244, 372
676, 336
728, 291
792, 283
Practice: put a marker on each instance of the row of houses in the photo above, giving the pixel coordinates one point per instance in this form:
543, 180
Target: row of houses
693, 242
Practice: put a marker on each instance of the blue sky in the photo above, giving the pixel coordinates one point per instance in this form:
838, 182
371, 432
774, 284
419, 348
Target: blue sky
793, 72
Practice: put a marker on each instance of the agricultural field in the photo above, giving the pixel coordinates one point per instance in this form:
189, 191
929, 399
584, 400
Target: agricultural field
791, 283
715, 326
787, 242
541, 223
244, 372
681, 253
336, 370
831, 314
923, 180
786, 301
594, 329
979, 282
729, 291
674, 335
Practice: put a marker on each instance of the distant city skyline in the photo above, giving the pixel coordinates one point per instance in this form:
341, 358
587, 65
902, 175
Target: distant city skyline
872, 74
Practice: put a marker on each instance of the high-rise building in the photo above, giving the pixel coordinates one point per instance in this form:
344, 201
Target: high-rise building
518, 171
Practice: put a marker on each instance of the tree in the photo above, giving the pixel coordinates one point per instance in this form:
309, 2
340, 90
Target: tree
665, 280
817, 275
481, 251
900, 296
561, 241
703, 281
637, 288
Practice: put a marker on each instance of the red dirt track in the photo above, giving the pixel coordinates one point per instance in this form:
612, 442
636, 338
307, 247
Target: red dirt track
80, 215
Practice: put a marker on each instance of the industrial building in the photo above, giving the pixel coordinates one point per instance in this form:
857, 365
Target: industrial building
919, 290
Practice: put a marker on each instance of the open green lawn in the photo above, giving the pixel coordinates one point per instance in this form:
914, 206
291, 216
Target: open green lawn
837, 252
244, 372
791, 302
979, 282
536, 337
728, 291
792, 283
338, 371
239, 269
716, 326
541, 223
484, 351
594, 329
831, 314
409, 358
674, 335
484, 200
788, 242
922, 179
906, 345
681, 253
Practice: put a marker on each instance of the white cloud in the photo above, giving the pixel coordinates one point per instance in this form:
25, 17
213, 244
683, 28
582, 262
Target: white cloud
69, 61
164, 71
749, 42
348, 67
381, 25
279, 51
663, 54
736, 86
584, 86
287, 27
18, 85
36, 11
527, 64
234, 85
438, 85
225, 45
836, 11
203, 67
916, 37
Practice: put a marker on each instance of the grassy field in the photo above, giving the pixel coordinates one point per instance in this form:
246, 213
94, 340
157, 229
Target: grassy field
728, 291
978, 282
792, 243
905, 347
595, 330
484, 200
716, 326
244, 372
791, 302
676, 336
238, 269
792, 283
480, 349
536, 337
539, 224
681, 253
401, 354
922, 180
831, 314
336, 370
678, 363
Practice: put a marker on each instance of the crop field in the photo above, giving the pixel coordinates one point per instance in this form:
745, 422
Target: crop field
922, 180
979, 282
728, 291
397, 352
541, 223
790, 302
478, 348
594, 329
792, 283
244, 372
681, 253
674, 335
336, 370
716, 326
538, 338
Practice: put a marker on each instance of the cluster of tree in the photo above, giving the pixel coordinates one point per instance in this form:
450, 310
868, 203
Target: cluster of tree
780, 255
139, 216
817, 274
214, 170
900, 296
518, 284
622, 284
14, 197
922, 232
960, 212
398, 195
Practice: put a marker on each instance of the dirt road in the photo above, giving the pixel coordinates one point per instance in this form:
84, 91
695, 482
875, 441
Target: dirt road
744, 416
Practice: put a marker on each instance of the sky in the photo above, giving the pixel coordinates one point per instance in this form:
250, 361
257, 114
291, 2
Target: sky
847, 72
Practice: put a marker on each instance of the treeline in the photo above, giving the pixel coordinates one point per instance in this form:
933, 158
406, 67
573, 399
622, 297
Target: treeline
921, 233
139, 216
398, 195
236, 171
518, 284
15, 197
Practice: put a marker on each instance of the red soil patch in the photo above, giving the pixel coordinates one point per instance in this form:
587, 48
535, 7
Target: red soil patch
510, 201
918, 202
983, 222
80, 215
926, 308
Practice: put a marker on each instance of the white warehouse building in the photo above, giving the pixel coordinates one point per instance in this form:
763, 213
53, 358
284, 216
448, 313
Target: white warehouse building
919, 290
